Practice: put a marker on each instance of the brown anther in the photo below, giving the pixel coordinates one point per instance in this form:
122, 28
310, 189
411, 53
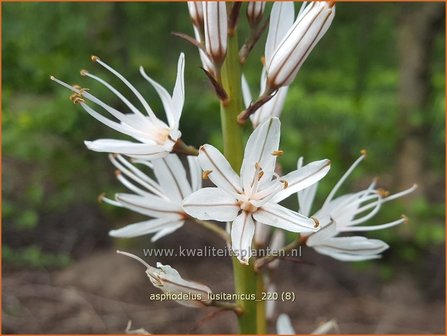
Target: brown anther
206, 174
82, 90
405, 218
101, 197
278, 152
257, 165
382, 192
76, 98
83, 72
260, 175
363, 152
263, 60
317, 222
76, 86
94, 58
286, 184
117, 172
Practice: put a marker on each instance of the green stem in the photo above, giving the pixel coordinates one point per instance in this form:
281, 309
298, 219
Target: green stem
247, 281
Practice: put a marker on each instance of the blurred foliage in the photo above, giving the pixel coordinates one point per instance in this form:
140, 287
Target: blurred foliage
343, 100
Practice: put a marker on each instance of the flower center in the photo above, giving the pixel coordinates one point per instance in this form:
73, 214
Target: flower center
247, 206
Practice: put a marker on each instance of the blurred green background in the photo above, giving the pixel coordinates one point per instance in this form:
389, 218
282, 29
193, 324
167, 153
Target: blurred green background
375, 81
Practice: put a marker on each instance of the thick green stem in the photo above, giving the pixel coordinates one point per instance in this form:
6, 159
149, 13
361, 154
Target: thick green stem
248, 283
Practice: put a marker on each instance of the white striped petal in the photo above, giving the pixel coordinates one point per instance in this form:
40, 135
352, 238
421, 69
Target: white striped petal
219, 169
168, 230
278, 216
281, 19
171, 176
195, 172
303, 178
216, 26
261, 145
140, 150
147, 227
149, 205
242, 232
211, 203
272, 108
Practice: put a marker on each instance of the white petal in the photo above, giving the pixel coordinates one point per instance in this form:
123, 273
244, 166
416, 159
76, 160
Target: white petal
277, 243
246, 94
147, 227
306, 196
216, 26
278, 216
284, 325
211, 203
345, 256
281, 19
149, 205
272, 108
178, 95
171, 176
168, 230
127, 148
242, 232
326, 327
220, 171
262, 232
259, 150
195, 172
303, 178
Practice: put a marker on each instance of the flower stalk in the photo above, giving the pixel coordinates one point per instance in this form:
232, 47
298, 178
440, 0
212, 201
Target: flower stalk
246, 280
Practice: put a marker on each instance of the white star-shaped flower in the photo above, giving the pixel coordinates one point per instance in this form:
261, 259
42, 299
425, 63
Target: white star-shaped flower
154, 137
345, 214
254, 196
160, 200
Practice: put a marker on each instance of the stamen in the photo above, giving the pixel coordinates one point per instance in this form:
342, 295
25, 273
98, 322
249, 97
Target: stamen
260, 175
317, 222
101, 197
342, 180
263, 60
117, 172
94, 58
83, 72
363, 151
133, 256
278, 152
205, 174
286, 184
405, 218
382, 192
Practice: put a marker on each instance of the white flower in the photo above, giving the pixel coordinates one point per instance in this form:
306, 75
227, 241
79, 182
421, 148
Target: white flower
284, 326
166, 278
281, 19
345, 214
154, 137
160, 200
215, 29
289, 55
253, 196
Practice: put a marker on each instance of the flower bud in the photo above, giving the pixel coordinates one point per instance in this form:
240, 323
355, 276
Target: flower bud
301, 38
166, 278
195, 9
255, 10
215, 29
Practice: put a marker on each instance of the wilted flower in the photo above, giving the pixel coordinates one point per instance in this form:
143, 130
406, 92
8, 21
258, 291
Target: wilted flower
341, 214
155, 138
254, 196
161, 200
166, 278
288, 56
